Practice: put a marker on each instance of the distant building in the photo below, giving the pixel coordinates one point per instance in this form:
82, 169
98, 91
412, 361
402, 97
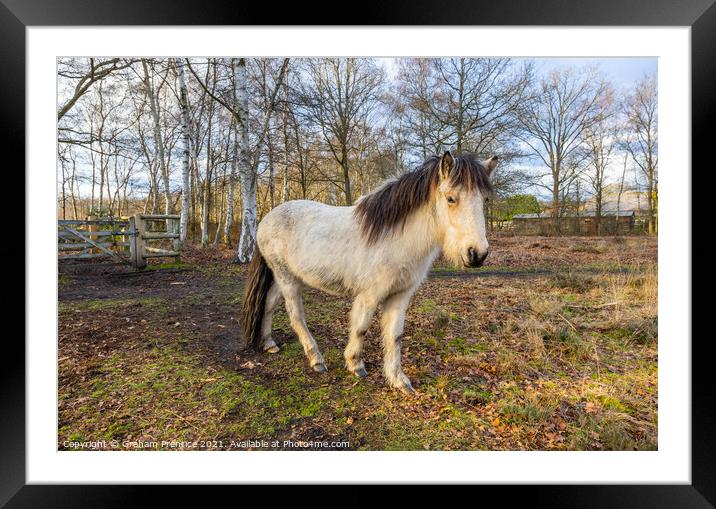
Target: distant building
583, 223
630, 199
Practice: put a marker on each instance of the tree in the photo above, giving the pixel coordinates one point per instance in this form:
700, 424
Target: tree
238, 106
86, 77
504, 209
462, 103
221, 137
641, 111
600, 139
340, 95
152, 94
186, 148
620, 192
561, 108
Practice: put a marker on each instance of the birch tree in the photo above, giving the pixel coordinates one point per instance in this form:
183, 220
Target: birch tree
247, 177
186, 148
239, 108
152, 93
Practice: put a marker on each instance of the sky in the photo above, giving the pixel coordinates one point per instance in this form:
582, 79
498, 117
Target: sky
623, 72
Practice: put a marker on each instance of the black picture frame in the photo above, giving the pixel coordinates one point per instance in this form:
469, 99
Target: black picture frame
700, 15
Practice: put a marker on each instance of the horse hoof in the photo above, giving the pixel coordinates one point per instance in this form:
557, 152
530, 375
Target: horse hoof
319, 368
360, 373
272, 349
408, 389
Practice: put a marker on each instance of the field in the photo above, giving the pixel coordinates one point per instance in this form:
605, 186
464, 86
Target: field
552, 345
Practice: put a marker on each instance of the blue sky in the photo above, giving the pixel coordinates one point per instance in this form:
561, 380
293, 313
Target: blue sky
623, 72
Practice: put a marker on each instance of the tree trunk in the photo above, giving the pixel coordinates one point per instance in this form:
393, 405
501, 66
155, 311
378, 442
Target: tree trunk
272, 187
284, 189
206, 201
555, 207
346, 173
72, 190
619, 195
650, 190
247, 176
232, 185
185, 121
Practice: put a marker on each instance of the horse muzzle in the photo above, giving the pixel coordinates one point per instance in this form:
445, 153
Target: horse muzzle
474, 258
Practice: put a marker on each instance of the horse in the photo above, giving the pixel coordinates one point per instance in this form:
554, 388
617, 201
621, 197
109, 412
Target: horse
378, 252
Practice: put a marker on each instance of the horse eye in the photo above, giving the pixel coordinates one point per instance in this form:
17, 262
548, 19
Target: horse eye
450, 199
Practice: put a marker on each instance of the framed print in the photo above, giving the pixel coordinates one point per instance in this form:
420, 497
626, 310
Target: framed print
434, 246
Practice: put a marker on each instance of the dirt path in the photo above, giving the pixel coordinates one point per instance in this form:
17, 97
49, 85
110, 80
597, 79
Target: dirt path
529, 273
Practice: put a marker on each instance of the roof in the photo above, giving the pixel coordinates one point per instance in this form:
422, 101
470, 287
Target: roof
586, 213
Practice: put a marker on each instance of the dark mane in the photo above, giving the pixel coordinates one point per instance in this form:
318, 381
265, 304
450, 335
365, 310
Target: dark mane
391, 204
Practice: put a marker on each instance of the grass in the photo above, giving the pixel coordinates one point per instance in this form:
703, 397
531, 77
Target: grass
169, 393
151, 303
167, 266
564, 361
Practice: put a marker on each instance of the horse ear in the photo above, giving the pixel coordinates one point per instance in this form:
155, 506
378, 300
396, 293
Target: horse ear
490, 164
446, 164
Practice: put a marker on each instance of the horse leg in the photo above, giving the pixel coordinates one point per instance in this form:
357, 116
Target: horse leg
291, 289
272, 300
361, 314
392, 324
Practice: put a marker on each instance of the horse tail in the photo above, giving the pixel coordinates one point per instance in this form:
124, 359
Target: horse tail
260, 279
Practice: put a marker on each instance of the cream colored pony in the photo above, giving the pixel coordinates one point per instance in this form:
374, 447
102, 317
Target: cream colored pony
377, 252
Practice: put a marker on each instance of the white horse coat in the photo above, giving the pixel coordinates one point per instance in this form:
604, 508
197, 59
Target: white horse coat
377, 252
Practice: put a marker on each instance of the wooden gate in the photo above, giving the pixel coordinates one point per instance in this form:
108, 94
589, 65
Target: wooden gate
128, 240
153, 230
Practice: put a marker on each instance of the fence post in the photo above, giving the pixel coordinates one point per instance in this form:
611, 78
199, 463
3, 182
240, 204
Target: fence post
132, 240
136, 224
175, 229
92, 228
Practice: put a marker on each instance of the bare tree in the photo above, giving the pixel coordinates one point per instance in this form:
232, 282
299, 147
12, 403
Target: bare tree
464, 103
641, 109
148, 135
86, 77
340, 96
600, 139
562, 107
152, 94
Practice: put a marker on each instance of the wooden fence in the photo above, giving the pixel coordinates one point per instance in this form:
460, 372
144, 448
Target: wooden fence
128, 240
